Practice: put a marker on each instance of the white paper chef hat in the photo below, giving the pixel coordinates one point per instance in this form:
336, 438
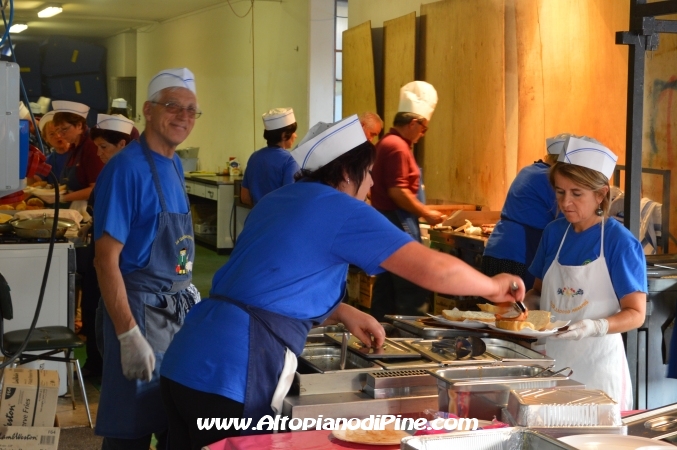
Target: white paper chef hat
327, 141
35, 108
23, 111
418, 97
44, 119
172, 78
554, 145
115, 122
587, 152
71, 107
278, 118
119, 103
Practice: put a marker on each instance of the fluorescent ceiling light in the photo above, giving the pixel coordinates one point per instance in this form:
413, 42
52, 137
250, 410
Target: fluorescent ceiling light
50, 11
18, 28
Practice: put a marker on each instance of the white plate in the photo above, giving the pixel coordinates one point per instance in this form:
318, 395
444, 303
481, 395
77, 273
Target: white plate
464, 323
552, 329
611, 441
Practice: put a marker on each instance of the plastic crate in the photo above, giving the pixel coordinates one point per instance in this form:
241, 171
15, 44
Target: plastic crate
66, 56
87, 88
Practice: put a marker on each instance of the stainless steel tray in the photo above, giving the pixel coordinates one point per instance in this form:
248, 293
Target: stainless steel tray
424, 347
658, 423
500, 439
323, 359
391, 348
511, 353
413, 324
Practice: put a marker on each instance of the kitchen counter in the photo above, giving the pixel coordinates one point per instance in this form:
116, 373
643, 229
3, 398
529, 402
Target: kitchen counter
215, 180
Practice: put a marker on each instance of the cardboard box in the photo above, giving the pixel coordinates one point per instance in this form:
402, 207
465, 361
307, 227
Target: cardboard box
29, 438
29, 397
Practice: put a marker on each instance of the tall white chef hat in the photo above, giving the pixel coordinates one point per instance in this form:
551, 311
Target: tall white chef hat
115, 122
71, 107
588, 152
44, 104
418, 97
278, 118
45, 119
167, 78
119, 103
327, 141
555, 144
23, 111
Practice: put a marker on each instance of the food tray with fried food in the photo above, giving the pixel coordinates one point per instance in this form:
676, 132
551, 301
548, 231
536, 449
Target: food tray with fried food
550, 329
466, 319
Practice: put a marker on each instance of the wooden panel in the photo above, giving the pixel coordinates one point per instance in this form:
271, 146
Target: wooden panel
571, 75
660, 130
399, 61
359, 91
463, 57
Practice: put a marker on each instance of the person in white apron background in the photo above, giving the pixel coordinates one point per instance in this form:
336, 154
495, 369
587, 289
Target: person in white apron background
591, 270
235, 357
272, 166
143, 231
398, 194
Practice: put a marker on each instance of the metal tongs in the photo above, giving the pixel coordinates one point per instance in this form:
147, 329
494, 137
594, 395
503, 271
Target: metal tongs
518, 305
544, 373
460, 348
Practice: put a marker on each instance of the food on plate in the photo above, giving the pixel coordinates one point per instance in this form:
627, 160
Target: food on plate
388, 436
535, 320
4, 218
20, 206
7, 207
457, 315
39, 184
488, 228
35, 202
496, 308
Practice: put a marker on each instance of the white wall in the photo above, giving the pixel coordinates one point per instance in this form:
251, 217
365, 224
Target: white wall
242, 69
321, 61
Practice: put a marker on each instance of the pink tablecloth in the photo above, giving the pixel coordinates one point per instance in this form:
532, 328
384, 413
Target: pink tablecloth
300, 440
307, 440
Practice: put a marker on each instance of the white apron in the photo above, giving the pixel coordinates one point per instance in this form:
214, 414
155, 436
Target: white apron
585, 292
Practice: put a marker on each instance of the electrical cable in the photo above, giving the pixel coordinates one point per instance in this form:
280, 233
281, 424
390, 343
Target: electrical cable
245, 14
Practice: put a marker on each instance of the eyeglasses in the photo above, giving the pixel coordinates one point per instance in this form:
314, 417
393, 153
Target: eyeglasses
63, 129
175, 108
424, 127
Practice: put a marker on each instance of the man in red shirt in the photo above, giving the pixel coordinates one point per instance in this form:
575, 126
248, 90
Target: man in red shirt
398, 194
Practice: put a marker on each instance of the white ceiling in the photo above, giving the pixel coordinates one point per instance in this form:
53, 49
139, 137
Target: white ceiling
99, 19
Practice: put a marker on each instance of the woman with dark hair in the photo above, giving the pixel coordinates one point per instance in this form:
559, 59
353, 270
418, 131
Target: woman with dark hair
589, 270
111, 134
84, 165
288, 272
273, 166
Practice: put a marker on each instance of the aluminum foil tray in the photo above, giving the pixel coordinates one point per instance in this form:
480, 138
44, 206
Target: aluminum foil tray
563, 408
500, 439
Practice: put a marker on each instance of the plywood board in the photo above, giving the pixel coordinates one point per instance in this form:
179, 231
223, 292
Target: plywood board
399, 61
572, 77
359, 91
463, 57
660, 126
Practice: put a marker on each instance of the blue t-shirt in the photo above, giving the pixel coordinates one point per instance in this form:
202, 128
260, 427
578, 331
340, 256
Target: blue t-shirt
268, 169
127, 203
530, 201
292, 258
622, 251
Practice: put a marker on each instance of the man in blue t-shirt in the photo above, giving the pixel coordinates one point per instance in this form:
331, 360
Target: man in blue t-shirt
144, 246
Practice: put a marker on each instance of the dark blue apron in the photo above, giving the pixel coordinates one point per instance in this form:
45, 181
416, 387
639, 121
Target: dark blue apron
269, 336
406, 220
159, 301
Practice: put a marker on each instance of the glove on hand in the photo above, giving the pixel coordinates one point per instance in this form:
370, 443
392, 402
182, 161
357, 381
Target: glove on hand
136, 355
585, 328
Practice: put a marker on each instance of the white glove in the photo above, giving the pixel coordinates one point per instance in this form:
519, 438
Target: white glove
585, 328
136, 355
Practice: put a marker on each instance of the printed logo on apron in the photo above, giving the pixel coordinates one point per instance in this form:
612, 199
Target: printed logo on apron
567, 298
